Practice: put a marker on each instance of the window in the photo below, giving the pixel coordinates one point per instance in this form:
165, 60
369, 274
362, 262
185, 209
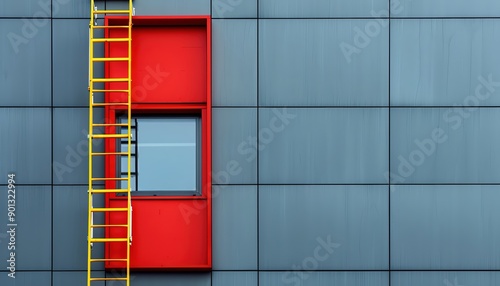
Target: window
165, 156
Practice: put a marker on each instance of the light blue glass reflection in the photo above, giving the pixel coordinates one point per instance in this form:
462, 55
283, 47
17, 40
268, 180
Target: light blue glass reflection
166, 154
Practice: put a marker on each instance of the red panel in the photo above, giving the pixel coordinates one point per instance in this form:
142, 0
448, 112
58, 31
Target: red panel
163, 236
169, 63
171, 75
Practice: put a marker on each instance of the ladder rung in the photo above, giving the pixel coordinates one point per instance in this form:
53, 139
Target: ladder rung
109, 179
105, 191
109, 124
110, 27
109, 279
110, 104
110, 153
102, 210
108, 239
109, 90
109, 59
101, 136
111, 12
102, 40
107, 259
108, 225
116, 79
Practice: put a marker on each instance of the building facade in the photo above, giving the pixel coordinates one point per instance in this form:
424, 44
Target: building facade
354, 142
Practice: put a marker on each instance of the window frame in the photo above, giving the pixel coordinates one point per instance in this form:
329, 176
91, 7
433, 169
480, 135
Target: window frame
135, 191
200, 111
188, 216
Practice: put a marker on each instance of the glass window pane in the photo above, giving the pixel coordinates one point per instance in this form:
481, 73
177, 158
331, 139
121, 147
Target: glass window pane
132, 182
167, 154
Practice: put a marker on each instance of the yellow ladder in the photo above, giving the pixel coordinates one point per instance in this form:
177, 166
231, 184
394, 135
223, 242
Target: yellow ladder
94, 134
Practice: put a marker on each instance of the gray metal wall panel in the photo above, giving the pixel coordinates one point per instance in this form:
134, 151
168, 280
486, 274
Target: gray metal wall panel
25, 278
324, 278
439, 62
311, 62
74, 278
27, 8
320, 8
323, 227
26, 145
234, 60
148, 7
234, 8
323, 145
234, 224
445, 8
70, 63
71, 146
70, 228
445, 227
162, 279
445, 145
231, 278
25, 65
457, 278
234, 160
73, 8
33, 209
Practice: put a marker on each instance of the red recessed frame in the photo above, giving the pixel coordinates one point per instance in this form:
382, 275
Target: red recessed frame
171, 74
